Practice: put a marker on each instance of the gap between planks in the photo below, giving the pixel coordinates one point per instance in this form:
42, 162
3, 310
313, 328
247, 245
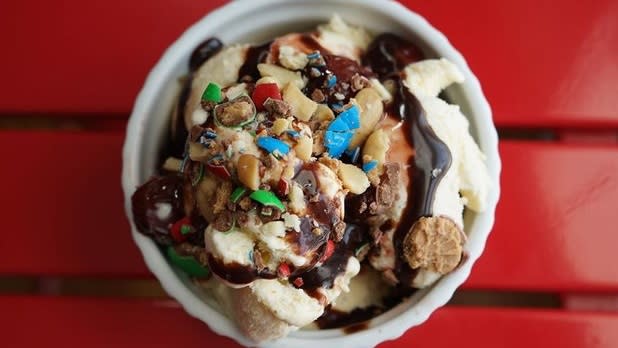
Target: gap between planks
96, 122
150, 288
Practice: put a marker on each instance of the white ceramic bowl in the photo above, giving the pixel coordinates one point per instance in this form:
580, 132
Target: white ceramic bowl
258, 21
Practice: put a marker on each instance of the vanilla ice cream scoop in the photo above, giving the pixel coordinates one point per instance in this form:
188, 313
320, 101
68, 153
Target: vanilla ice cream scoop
298, 160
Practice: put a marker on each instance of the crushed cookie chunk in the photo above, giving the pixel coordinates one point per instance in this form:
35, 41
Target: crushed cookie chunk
330, 162
258, 260
318, 96
242, 219
207, 105
359, 82
339, 230
222, 196
246, 203
235, 113
277, 108
388, 190
224, 221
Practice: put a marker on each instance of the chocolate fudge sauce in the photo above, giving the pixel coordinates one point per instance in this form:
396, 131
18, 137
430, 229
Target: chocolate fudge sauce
255, 56
325, 274
387, 56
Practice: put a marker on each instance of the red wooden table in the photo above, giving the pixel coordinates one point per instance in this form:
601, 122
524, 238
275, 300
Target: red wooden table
69, 272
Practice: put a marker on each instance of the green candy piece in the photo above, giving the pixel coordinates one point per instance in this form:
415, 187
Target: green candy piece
187, 264
212, 93
237, 194
268, 199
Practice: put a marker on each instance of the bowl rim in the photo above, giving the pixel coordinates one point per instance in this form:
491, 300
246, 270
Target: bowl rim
429, 301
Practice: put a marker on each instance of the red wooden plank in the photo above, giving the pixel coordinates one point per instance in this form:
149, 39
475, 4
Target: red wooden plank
62, 205
556, 223
540, 63
555, 226
139, 323
483, 327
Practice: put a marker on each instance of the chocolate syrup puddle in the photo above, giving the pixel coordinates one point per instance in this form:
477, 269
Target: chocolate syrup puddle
255, 56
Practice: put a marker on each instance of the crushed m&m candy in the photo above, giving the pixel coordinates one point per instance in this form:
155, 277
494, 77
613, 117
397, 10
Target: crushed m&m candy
268, 199
341, 130
273, 145
264, 91
337, 142
369, 166
212, 93
187, 264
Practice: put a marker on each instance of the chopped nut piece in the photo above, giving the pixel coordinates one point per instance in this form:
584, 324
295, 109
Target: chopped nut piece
266, 79
376, 146
303, 148
199, 153
280, 125
318, 143
302, 107
359, 82
323, 113
172, 164
371, 110
353, 178
318, 96
297, 200
434, 243
330, 162
291, 58
282, 75
249, 171
291, 221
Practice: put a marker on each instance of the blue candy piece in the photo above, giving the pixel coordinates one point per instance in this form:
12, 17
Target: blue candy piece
273, 145
313, 55
369, 166
351, 116
353, 153
294, 134
209, 134
337, 142
337, 107
332, 81
338, 125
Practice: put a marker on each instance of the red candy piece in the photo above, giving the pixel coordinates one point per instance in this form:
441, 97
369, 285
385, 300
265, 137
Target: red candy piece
283, 187
264, 91
330, 248
176, 232
298, 282
219, 170
283, 270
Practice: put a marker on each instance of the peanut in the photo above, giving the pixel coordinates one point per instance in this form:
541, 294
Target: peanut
376, 146
303, 148
371, 108
302, 107
353, 178
283, 76
249, 171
